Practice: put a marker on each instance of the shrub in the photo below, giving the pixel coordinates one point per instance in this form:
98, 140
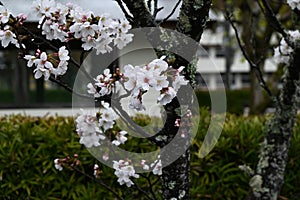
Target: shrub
28, 146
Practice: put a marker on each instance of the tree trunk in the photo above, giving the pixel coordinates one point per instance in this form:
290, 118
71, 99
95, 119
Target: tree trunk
269, 175
191, 22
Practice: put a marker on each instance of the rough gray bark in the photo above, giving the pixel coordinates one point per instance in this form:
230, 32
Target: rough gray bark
141, 15
191, 22
269, 176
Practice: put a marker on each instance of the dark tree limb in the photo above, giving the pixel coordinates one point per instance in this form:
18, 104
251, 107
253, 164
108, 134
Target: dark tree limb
274, 151
171, 13
100, 182
192, 18
141, 16
253, 65
272, 19
127, 15
156, 9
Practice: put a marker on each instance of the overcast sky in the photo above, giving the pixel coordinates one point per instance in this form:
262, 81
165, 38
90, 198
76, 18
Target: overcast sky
97, 6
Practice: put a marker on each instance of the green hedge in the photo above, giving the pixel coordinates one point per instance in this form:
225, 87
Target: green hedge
236, 99
29, 145
50, 96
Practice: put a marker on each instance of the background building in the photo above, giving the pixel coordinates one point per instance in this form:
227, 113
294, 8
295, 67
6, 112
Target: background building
19, 89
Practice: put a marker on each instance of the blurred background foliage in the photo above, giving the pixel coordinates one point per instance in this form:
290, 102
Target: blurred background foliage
28, 146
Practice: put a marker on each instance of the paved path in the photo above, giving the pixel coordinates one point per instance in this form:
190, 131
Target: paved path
40, 112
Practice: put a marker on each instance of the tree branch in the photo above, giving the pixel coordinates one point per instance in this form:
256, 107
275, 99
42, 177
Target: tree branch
127, 15
272, 19
192, 18
171, 13
141, 15
141, 190
253, 65
98, 181
150, 185
68, 88
156, 9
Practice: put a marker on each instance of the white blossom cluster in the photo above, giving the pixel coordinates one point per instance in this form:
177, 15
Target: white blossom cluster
47, 64
103, 82
283, 51
124, 170
120, 138
67, 22
91, 127
157, 167
7, 36
294, 4
87, 127
58, 164
139, 79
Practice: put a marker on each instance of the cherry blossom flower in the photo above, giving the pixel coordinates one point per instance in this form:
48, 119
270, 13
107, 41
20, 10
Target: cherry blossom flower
105, 156
7, 37
155, 74
103, 84
145, 166
88, 129
92, 90
136, 103
159, 64
107, 116
157, 167
120, 138
63, 54
283, 51
166, 96
103, 45
58, 164
178, 82
129, 73
96, 171
30, 59
44, 7
124, 171
72, 22
294, 4
122, 40
4, 15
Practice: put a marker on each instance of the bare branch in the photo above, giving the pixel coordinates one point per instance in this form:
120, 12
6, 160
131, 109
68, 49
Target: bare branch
272, 19
98, 181
127, 15
156, 9
68, 88
192, 18
141, 15
141, 190
172, 12
253, 65
127, 119
150, 185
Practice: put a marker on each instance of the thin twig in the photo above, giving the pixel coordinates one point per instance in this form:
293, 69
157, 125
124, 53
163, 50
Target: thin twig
156, 10
150, 185
127, 119
100, 182
141, 190
72, 60
172, 12
126, 13
271, 17
253, 65
68, 88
